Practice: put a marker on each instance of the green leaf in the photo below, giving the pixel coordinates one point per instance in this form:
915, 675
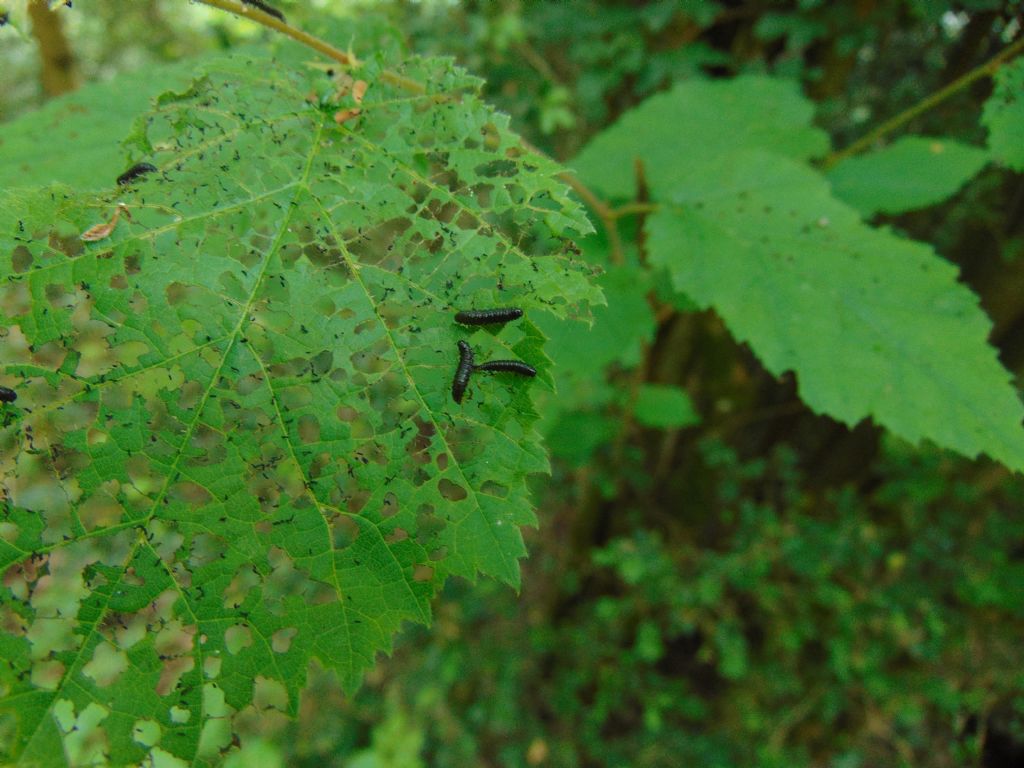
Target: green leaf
86, 126
1004, 115
616, 337
800, 31
234, 447
912, 172
666, 407
872, 324
575, 436
696, 121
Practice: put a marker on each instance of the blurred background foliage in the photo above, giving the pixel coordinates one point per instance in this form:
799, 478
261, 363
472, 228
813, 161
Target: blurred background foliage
742, 582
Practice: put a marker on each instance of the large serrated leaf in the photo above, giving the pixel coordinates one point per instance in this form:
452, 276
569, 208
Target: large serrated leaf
234, 447
912, 172
699, 119
872, 324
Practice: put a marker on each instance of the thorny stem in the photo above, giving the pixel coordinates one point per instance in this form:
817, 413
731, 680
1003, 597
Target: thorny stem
985, 70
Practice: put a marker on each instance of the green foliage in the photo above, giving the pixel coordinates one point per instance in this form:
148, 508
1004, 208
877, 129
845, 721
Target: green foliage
912, 172
658, 405
617, 336
677, 134
872, 324
234, 447
81, 124
1004, 116
581, 417
788, 592
798, 630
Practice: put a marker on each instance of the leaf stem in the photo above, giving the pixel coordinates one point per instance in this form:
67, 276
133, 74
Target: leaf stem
599, 207
344, 58
985, 70
256, 14
639, 208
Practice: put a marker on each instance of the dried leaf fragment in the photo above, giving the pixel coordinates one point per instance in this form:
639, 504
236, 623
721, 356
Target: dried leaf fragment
102, 231
343, 115
359, 90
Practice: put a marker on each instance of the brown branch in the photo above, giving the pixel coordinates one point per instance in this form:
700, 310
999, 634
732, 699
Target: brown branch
347, 59
639, 209
985, 70
616, 254
262, 17
59, 73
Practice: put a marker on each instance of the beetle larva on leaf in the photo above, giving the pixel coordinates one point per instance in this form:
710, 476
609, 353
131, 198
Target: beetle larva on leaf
139, 169
488, 316
462, 373
507, 366
7, 395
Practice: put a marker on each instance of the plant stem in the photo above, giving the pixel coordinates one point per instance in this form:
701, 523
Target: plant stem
640, 209
985, 70
252, 12
343, 58
598, 206
59, 70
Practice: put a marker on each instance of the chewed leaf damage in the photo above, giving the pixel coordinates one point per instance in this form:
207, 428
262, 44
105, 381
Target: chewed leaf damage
234, 448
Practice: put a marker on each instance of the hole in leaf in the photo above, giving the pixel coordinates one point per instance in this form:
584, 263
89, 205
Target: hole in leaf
105, 666
309, 429
357, 500
99, 511
237, 638
21, 259
397, 535
450, 490
492, 488
190, 493
281, 640
245, 579
344, 531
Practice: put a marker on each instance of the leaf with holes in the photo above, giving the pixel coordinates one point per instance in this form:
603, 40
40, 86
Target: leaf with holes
234, 447
82, 122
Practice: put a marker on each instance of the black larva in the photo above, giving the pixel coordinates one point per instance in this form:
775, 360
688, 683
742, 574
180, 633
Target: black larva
269, 10
488, 316
7, 395
139, 169
462, 373
507, 366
